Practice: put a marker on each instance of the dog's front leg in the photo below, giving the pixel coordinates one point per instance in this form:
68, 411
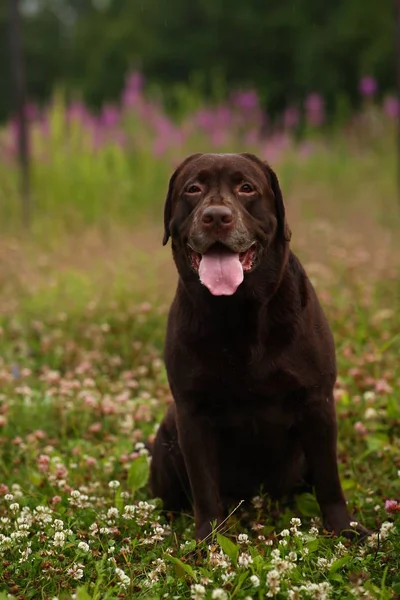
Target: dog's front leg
199, 448
319, 440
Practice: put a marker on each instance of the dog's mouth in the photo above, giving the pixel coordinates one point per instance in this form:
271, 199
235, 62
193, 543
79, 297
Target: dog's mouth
221, 269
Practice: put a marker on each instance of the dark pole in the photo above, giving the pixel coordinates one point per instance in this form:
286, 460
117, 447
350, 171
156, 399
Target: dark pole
397, 61
18, 73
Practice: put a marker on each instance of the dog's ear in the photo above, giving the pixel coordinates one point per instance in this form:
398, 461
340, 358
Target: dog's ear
168, 207
283, 227
168, 200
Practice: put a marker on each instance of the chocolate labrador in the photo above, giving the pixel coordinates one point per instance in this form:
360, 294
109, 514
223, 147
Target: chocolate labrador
249, 353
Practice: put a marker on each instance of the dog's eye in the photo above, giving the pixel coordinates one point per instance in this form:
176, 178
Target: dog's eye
246, 188
193, 189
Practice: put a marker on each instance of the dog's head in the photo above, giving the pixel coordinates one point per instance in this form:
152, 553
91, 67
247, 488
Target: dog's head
225, 214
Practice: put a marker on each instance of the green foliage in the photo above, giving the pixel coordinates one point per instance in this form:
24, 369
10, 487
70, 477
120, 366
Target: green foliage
284, 49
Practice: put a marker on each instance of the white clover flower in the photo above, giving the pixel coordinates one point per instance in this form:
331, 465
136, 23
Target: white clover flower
129, 511
269, 543
313, 531
113, 513
244, 560
125, 581
385, 529
243, 538
294, 593
317, 591
370, 414
285, 533
219, 594
9, 497
59, 538
255, 581
14, 507
58, 525
83, 546
75, 494
114, 484
25, 553
76, 571
5, 542
295, 522
323, 563
105, 530
227, 577
341, 549
197, 591
283, 542
273, 581
94, 528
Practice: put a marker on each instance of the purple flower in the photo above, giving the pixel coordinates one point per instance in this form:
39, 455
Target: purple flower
134, 81
77, 111
133, 89
160, 146
391, 107
291, 117
109, 116
392, 506
223, 115
31, 111
218, 138
368, 86
205, 119
251, 137
247, 100
315, 109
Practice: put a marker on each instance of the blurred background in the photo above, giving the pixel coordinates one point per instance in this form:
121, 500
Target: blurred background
110, 95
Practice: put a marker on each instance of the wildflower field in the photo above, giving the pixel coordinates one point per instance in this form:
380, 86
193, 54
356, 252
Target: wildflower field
83, 304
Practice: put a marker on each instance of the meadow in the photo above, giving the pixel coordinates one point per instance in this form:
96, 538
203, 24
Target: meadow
83, 302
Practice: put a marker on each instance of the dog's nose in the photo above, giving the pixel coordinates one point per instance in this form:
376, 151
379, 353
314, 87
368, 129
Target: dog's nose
217, 216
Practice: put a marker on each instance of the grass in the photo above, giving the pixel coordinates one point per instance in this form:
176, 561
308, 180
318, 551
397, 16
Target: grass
83, 305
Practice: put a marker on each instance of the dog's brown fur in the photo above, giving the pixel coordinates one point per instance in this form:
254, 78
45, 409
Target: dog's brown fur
252, 374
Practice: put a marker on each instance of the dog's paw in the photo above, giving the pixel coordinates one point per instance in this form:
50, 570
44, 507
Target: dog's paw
355, 533
203, 532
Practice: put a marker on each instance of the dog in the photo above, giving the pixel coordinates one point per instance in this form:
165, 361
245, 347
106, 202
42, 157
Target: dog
249, 354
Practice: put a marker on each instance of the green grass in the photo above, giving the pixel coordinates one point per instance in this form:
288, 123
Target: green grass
83, 384
84, 300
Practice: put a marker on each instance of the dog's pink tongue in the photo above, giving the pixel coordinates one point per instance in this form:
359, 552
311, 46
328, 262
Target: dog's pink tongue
221, 272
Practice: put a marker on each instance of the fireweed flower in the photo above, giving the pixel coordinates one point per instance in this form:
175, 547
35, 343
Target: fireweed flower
368, 86
315, 109
391, 107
